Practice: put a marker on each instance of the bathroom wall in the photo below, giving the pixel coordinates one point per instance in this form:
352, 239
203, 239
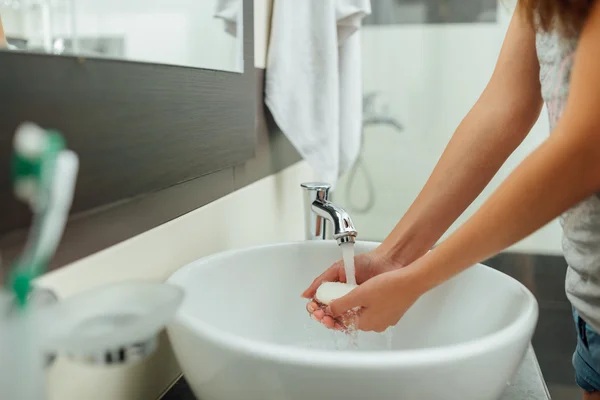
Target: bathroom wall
428, 75
270, 210
262, 31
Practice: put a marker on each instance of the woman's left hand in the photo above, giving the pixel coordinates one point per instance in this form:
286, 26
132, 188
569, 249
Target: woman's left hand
380, 301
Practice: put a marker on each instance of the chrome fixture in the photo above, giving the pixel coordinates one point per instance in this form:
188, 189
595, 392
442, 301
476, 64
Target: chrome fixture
318, 209
374, 116
127, 354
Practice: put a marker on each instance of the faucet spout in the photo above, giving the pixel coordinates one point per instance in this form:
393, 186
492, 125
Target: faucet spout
318, 209
343, 227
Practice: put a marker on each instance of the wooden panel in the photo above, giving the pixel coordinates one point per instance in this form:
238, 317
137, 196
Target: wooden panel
137, 127
95, 230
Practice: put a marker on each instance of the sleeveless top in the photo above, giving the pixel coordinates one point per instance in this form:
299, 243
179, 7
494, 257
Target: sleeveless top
580, 224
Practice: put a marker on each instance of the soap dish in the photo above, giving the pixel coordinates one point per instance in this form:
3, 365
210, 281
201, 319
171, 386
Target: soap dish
114, 323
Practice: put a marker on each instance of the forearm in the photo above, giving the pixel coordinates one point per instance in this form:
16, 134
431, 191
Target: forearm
477, 150
496, 125
560, 174
2, 35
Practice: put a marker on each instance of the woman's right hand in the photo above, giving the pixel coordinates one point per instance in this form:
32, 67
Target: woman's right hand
367, 265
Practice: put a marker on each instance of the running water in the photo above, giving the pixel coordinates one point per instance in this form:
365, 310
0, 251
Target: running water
348, 256
389, 336
351, 339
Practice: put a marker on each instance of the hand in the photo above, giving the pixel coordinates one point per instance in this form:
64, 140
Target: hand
367, 266
380, 302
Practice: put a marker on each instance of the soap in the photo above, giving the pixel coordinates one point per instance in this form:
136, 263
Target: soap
329, 291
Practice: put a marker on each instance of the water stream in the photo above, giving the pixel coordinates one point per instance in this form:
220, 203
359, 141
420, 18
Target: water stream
348, 256
352, 338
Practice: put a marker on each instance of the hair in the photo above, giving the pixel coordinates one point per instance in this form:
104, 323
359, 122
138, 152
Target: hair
565, 16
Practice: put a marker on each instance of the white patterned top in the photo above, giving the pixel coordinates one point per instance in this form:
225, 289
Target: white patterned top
581, 224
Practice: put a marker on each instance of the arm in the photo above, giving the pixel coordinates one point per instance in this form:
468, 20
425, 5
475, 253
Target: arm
493, 129
563, 171
2, 36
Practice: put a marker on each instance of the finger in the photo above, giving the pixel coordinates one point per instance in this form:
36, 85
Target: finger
318, 315
340, 327
328, 322
311, 307
332, 274
344, 304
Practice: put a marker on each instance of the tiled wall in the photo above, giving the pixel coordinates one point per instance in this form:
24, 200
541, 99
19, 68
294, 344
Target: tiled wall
555, 338
267, 211
428, 76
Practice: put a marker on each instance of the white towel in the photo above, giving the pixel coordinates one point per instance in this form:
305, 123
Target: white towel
313, 80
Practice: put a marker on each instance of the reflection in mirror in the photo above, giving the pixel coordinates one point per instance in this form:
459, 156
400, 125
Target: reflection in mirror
193, 33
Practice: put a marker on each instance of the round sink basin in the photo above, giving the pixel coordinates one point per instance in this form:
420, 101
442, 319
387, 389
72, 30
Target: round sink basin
243, 333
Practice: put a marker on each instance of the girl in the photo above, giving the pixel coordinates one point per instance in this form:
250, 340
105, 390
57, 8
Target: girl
551, 54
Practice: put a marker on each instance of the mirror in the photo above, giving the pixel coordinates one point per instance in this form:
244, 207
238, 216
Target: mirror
192, 33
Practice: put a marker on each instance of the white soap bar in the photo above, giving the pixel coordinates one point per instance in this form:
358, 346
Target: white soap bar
329, 291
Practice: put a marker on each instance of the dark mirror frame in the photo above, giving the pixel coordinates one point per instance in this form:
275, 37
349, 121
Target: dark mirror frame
154, 141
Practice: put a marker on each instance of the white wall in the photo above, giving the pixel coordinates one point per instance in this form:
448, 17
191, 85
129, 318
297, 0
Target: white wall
431, 75
270, 211
262, 31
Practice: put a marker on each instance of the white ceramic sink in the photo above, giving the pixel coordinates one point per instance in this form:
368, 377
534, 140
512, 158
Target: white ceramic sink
243, 333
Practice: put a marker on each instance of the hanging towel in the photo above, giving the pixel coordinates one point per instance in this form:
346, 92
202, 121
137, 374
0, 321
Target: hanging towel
313, 80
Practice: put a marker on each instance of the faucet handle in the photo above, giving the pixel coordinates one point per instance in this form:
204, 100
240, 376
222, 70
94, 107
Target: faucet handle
314, 225
316, 186
319, 187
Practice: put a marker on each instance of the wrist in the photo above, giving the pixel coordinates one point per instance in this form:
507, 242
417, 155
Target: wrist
407, 247
411, 281
436, 267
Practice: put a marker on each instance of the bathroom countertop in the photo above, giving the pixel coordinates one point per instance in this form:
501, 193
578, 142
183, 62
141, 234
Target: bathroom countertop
528, 384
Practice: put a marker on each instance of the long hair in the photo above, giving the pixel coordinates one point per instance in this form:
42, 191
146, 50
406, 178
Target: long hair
565, 16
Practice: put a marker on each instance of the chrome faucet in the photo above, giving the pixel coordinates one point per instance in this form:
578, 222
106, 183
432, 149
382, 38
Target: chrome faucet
318, 209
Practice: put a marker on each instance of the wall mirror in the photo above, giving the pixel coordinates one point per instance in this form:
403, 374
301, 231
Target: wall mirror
192, 33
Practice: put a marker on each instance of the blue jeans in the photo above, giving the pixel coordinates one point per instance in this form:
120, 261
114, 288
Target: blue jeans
586, 359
